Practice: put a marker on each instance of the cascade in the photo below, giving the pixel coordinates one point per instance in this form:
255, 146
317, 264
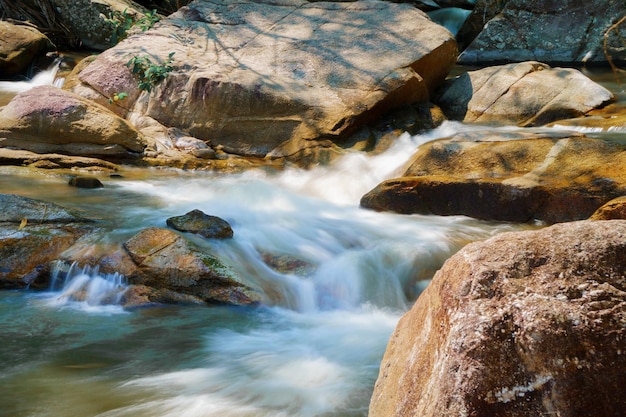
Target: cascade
86, 285
45, 77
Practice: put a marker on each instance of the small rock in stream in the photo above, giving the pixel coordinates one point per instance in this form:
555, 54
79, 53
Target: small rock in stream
199, 222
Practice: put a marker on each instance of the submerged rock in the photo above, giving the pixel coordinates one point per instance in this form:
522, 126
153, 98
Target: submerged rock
85, 182
196, 221
253, 76
523, 324
524, 94
520, 177
166, 260
34, 233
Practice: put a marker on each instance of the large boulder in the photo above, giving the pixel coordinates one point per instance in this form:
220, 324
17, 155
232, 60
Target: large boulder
515, 176
250, 77
19, 46
47, 119
523, 324
33, 234
568, 31
524, 94
166, 260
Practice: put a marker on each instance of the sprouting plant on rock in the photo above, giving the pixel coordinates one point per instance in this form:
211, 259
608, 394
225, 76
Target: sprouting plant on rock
118, 96
123, 21
149, 72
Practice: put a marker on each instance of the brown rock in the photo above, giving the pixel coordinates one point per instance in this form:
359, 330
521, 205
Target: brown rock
519, 177
523, 324
19, 46
50, 120
252, 76
52, 161
166, 260
614, 209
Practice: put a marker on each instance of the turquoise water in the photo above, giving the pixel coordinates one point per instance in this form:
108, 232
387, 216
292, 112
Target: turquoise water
312, 350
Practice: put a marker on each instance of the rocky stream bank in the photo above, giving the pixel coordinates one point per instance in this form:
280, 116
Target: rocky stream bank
519, 325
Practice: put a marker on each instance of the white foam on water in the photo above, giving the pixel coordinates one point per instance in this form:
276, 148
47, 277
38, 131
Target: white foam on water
45, 77
297, 365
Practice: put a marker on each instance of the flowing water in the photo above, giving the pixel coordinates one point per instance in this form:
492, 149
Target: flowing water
312, 350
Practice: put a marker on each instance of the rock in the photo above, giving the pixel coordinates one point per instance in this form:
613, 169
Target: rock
614, 209
34, 233
523, 324
483, 12
141, 296
85, 182
50, 120
253, 76
86, 19
52, 161
19, 46
166, 260
569, 31
519, 177
15, 208
525, 94
195, 221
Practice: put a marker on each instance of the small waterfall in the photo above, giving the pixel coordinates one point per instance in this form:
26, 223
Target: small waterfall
452, 18
45, 77
86, 285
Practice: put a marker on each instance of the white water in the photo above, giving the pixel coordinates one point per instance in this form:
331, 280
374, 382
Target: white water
313, 350
45, 77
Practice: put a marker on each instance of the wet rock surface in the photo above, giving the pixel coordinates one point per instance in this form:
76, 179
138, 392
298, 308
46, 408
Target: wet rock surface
196, 221
166, 260
520, 177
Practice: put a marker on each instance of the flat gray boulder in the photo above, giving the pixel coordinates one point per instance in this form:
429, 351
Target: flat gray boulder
566, 31
251, 76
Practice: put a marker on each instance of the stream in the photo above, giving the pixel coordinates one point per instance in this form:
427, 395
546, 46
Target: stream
312, 350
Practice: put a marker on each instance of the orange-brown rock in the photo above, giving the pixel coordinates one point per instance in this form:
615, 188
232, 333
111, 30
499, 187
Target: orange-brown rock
166, 260
524, 324
614, 209
19, 46
514, 176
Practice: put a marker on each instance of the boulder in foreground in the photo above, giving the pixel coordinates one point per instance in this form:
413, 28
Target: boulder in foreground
523, 324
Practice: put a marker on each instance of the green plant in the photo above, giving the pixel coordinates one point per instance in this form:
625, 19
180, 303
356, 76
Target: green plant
148, 72
118, 96
148, 20
123, 21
